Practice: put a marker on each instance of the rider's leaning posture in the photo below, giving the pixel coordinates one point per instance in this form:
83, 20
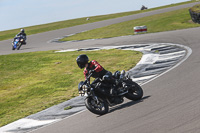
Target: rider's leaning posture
95, 68
23, 34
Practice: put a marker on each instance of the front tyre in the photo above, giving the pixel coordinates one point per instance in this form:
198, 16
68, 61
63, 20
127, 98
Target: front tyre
100, 108
135, 92
13, 48
19, 46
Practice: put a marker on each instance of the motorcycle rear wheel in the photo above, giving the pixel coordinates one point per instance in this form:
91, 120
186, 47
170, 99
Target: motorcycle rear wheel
135, 93
100, 108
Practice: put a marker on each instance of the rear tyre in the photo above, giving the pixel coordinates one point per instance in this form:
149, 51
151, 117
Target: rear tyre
100, 108
135, 93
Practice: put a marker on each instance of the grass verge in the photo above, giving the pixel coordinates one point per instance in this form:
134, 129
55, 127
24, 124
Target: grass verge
179, 19
196, 8
31, 82
73, 22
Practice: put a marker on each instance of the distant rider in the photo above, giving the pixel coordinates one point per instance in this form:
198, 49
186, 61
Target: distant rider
143, 7
23, 34
95, 68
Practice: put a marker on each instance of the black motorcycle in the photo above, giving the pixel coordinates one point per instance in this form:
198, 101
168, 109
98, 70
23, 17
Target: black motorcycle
98, 98
144, 8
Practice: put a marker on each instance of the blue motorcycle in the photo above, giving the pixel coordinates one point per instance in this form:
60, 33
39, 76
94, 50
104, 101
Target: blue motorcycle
17, 43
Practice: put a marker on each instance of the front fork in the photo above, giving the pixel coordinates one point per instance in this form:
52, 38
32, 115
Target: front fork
94, 96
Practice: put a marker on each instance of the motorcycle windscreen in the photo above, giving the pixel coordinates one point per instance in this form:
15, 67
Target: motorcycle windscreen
15, 44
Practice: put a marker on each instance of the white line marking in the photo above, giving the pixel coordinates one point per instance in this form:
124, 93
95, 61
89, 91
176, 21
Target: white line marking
144, 78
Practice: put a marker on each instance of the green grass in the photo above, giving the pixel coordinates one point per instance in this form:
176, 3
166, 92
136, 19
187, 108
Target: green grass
196, 8
68, 107
31, 82
69, 23
179, 19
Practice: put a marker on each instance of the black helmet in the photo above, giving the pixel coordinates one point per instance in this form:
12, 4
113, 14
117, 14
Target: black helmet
82, 60
22, 30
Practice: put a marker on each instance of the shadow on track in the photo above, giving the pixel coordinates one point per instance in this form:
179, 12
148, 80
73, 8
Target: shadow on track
128, 104
26, 48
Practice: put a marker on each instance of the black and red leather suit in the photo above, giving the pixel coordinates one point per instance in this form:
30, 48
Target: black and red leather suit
99, 71
103, 78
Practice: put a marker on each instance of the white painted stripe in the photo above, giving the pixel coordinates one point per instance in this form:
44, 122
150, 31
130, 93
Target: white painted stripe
169, 57
148, 59
144, 78
60, 120
68, 50
25, 123
155, 46
174, 53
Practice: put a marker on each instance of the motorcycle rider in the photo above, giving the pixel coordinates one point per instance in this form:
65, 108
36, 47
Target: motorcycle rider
23, 34
96, 69
143, 7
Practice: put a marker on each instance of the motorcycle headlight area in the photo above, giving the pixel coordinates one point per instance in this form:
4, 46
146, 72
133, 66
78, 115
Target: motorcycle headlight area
85, 87
81, 93
83, 90
21, 40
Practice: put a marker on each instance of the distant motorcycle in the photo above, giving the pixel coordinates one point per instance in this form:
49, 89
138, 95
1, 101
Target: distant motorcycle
17, 43
144, 8
98, 103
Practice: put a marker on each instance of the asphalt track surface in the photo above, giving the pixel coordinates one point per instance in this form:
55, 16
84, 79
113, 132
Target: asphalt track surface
171, 103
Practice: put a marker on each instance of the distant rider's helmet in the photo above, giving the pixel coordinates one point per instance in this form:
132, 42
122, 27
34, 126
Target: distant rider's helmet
22, 30
82, 60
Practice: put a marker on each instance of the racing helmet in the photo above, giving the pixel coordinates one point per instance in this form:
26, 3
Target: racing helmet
22, 30
82, 60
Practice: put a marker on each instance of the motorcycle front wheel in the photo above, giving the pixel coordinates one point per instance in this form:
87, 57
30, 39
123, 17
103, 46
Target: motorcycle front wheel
13, 48
135, 93
99, 108
19, 46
